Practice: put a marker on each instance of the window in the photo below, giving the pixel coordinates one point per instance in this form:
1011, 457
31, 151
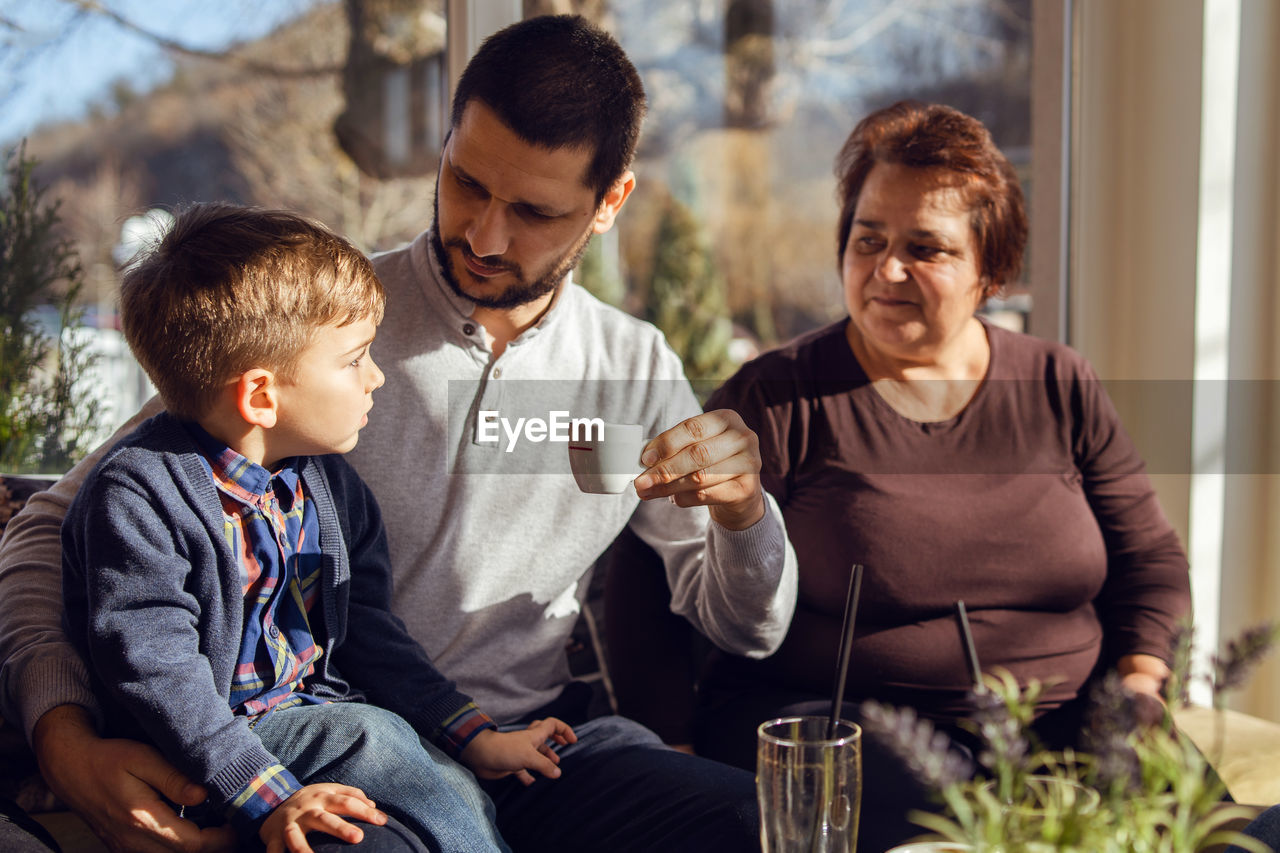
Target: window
750, 101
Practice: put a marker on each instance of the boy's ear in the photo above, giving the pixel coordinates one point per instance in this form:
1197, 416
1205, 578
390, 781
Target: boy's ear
256, 397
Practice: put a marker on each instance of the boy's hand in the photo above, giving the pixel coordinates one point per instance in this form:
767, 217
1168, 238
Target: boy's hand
316, 808
492, 754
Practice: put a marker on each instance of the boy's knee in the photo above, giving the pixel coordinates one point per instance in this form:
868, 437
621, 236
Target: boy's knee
363, 727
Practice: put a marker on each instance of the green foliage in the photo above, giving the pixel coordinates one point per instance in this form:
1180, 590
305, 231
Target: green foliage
1137, 789
687, 298
46, 413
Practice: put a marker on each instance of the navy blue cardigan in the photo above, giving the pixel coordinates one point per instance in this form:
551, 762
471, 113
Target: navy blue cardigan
154, 602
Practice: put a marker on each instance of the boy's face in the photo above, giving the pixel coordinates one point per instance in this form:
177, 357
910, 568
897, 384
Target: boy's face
325, 403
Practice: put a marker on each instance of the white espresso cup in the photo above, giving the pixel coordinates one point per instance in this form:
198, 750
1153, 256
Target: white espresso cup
604, 462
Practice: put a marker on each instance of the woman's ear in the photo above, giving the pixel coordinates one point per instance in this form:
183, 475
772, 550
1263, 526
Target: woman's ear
256, 397
989, 288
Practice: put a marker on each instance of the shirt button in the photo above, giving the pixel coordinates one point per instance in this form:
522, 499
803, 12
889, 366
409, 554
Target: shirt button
274, 632
468, 329
497, 373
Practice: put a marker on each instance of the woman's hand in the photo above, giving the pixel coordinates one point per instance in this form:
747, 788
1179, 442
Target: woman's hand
318, 808
493, 754
1144, 676
119, 787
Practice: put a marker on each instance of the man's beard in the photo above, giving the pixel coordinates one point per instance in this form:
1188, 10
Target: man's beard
522, 292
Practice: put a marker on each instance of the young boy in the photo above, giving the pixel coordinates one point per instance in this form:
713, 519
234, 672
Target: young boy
230, 583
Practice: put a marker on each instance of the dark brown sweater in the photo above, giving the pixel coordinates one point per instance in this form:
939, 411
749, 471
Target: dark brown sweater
1031, 505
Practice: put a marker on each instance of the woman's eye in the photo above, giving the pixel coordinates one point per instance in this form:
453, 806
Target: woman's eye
926, 253
866, 245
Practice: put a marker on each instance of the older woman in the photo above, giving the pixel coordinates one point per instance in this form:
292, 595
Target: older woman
954, 460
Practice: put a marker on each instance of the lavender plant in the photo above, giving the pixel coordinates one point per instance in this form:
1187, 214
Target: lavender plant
1132, 788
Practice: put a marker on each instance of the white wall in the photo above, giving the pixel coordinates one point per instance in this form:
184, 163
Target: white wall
1148, 273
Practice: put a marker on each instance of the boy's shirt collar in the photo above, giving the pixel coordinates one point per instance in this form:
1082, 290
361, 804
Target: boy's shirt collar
246, 481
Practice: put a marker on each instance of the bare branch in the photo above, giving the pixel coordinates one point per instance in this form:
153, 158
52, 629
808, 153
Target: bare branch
97, 8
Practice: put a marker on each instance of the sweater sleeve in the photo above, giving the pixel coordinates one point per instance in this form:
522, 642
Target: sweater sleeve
738, 587
131, 608
376, 652
39, 668
1147, 593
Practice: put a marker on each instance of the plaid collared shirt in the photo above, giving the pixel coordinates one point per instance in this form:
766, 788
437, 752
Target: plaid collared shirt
270, 522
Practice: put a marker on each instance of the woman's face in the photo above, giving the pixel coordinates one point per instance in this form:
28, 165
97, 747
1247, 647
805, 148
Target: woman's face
911, 270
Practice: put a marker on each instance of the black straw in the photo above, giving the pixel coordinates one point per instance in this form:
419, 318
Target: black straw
970, 650
846, 646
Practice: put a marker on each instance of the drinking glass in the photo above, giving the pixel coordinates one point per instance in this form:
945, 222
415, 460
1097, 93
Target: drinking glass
809, 785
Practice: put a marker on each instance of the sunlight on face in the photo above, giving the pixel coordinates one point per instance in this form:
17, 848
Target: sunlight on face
911, 275
512, 219
326, 402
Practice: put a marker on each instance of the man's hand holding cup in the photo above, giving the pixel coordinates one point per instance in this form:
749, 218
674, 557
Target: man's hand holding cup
710, 460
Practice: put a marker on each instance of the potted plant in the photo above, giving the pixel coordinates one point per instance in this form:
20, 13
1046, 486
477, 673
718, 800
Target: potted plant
1135, 788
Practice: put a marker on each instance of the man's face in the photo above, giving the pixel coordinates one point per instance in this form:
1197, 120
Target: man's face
512, 219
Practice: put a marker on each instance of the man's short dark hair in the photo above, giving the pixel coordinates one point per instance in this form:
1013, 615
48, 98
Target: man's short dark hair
559, 81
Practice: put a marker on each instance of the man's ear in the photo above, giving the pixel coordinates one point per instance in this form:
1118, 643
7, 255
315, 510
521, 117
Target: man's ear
612, 202
256, 397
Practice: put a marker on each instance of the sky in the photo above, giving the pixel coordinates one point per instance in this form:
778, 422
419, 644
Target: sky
56, 61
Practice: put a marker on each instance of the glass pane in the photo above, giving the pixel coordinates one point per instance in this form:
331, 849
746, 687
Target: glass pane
272, 104
750, 101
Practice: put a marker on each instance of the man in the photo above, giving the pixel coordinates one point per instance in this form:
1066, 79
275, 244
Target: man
491, 547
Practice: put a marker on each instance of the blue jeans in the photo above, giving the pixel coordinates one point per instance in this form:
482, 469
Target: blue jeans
621, 789
378, 752
391, 837
19, 833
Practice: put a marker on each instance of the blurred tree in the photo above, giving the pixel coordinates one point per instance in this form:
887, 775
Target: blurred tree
45, 410
281, 143
687, 296
393, 119
749, 63
593, 10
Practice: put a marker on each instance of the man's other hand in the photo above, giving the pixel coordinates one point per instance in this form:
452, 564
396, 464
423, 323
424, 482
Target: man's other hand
118, 787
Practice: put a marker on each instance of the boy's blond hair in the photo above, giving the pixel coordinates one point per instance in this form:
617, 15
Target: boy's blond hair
231, 288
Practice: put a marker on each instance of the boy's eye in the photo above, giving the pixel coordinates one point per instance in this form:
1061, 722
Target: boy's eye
867, 244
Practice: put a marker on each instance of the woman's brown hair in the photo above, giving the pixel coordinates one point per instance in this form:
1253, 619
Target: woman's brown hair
933, 136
